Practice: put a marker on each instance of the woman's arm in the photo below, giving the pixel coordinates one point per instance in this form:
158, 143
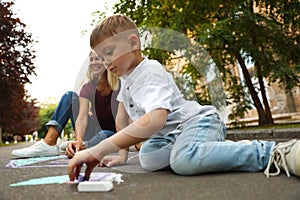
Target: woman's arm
80, 127
82, 119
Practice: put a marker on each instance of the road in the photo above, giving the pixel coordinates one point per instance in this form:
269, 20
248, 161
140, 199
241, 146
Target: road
160, 185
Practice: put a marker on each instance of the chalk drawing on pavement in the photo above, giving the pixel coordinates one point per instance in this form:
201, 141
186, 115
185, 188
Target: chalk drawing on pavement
48, 161
95, 176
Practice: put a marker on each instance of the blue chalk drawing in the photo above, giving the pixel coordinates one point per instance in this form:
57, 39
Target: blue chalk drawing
95, 176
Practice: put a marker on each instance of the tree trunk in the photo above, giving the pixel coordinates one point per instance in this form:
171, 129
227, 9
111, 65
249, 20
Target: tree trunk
263, 94
265, 115
1, 135
262, 118
290, 101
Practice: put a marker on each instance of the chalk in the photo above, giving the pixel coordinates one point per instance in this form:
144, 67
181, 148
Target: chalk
79, 179
72, 182
95, 186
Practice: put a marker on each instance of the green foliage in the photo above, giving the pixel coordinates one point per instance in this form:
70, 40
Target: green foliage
202, 94
45, 115
264, 33
19, 112
97, 16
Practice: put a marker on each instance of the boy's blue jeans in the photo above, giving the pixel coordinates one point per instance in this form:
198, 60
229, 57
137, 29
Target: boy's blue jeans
198, 147
68, 108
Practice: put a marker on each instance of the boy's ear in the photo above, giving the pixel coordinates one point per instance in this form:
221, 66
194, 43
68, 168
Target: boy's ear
134, 41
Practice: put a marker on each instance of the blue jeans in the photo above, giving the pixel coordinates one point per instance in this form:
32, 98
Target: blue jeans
198, 147
68, 108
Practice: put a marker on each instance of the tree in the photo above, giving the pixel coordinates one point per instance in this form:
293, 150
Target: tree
265, 33
45, 114
18, 112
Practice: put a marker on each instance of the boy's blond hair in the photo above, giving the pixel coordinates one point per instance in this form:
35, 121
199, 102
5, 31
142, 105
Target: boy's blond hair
113, 26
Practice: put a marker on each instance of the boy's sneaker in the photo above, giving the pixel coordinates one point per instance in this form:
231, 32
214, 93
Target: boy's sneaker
36, 150
285, 155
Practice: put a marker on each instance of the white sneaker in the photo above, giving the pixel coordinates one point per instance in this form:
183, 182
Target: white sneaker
36, 150
63, 146
285, 156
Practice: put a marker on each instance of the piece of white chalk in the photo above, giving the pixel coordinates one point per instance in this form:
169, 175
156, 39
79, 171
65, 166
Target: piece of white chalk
95, 186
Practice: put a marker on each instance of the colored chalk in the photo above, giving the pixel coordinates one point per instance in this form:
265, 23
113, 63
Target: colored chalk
95, 186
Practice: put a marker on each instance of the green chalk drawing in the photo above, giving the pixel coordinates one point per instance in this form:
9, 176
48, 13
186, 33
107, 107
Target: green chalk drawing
45, 180
95, 176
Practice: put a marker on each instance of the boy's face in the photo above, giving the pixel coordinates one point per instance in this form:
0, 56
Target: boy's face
117, 54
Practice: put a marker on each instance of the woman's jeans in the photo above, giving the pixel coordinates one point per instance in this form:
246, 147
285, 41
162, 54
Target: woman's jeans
198, 147
68, 108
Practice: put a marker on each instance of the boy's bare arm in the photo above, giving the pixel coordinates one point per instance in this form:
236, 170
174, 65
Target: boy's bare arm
138, 131
141, 129
122, 120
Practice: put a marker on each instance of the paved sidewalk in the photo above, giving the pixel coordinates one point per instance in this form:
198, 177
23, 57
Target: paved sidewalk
161, 185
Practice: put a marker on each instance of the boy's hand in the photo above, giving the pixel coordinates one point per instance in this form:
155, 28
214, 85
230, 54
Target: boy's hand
80, 158
91, 157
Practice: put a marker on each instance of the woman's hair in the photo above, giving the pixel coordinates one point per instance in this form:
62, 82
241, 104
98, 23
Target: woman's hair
112, 79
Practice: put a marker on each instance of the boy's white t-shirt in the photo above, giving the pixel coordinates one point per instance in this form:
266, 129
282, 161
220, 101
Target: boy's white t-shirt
148, 87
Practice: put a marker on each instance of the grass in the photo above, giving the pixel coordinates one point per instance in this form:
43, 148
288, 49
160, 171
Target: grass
275, 126
4, 145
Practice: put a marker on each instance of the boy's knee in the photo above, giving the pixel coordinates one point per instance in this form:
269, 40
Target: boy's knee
181, 166
186, 164
150, 161
146, 162
153, 158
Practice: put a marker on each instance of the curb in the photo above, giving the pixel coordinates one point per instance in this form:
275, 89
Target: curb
264, 134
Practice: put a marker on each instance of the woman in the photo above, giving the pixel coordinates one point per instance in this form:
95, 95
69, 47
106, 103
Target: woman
94, 111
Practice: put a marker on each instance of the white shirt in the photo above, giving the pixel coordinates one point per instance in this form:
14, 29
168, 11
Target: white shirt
148, 87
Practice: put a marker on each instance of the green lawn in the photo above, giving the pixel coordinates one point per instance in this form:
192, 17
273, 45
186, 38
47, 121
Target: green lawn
3, 145
276, 126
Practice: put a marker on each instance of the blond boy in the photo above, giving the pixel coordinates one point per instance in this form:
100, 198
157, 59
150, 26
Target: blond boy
181, 134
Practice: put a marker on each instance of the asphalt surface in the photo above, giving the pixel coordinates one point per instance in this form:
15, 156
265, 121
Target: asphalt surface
158, 185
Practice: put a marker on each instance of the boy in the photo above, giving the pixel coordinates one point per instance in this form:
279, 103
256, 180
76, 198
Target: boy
181, 134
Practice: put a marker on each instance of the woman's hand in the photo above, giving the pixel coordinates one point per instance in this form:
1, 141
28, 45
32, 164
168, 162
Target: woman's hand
80, 158
110, 161
73, 147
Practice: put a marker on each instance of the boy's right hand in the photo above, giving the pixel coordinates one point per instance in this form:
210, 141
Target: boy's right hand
75, 164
